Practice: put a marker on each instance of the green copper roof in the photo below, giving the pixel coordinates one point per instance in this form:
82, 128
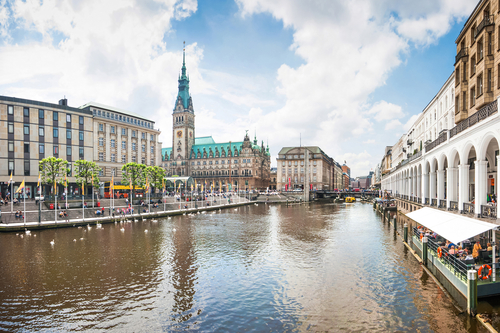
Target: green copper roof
184, 82
205, 140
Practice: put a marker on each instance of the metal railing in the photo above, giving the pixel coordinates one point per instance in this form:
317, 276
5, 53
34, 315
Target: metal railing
468, 208
441, 138
482, 114
453, 206
488, 211
450, 261
434, 202
442, 204
487, 20
461, 54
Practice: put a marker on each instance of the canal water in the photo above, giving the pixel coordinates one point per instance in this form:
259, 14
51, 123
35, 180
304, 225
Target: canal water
322, 267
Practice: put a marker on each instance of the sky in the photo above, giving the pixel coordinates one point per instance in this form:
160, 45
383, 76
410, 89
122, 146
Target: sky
347, 76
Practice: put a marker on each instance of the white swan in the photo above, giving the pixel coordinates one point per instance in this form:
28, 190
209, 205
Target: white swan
52, 242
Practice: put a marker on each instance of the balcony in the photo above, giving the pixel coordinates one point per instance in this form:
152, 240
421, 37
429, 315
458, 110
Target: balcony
441, 138
487, 21
461, 54
483, 113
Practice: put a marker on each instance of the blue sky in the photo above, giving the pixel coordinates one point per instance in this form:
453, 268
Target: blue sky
345, 76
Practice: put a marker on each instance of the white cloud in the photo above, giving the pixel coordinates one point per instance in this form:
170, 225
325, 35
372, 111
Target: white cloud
410, 122
386, 111
393, 124
359, 163
370, 141
349, 49
111, 52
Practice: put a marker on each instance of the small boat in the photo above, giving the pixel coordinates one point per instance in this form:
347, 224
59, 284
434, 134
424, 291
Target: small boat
350, 199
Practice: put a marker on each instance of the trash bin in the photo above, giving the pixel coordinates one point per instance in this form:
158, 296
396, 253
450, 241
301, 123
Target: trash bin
98, 204
51, 206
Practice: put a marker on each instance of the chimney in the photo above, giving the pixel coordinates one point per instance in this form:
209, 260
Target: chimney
63, 101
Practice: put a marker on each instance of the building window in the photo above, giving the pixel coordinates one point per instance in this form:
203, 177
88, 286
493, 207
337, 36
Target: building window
479, 85
80, 120
107, 114
11, 167
124, 159
55, 133
101, 157
41, 131
473, 65
152, 137
80, 135
314, 179
80, 153
68, 134
472, 96
124, 145
152, 150
133, 146
489, 80
143, 161
26, 147
41, 148
152, 162
26, 112
134, 159
133, 134
112, 143
41, 114
56, 150
490, 45
112, 129
11, 146
10, 109
101, 142
124, 131
113, 158
143, 148
26, 168
68, 118
100, 173
55, 116
480, 49
68, 151
314, 170
26, 129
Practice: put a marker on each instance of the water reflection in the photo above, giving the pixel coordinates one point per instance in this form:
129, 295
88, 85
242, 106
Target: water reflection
322, 267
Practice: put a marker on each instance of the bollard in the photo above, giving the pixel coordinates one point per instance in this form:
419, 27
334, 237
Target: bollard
424, 250
406, 232
395, 223
472, 292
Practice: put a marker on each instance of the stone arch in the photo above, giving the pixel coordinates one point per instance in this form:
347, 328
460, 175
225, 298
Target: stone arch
483, 147
454, 158
464, 154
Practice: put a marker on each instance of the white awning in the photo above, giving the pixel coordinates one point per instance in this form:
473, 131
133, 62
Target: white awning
453, 227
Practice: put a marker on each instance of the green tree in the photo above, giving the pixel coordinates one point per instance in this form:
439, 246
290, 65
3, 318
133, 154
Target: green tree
53, 170
134, 173
155, 176
85, 170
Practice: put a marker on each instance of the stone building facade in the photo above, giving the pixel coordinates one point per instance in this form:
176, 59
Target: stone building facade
245, 165
292, 169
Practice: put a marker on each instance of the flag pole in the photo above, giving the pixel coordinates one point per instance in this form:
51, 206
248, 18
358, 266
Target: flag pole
11, 194
55, 198
24, 215
83, 206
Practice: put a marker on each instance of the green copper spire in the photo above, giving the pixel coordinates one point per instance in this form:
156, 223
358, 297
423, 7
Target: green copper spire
184, 81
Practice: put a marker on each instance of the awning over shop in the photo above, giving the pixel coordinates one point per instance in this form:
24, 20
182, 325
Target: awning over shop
453, 227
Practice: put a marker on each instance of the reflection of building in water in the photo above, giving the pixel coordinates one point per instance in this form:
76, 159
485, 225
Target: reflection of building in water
184, 271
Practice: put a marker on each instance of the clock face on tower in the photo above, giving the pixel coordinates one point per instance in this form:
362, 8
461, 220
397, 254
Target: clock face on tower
179, 134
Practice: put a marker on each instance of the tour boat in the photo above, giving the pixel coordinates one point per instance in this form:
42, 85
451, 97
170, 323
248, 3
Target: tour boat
350, 199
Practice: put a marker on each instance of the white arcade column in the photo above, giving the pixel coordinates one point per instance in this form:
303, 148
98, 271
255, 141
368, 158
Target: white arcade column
480, 185
425, 187
440, 185
432, 186
463, 185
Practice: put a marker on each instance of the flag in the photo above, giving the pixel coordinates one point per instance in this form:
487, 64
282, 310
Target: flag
163, 184
39, 180
202, 187
21, 187
112, 185
10, 181
55, 186
83, 188
65, 181
147, 184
